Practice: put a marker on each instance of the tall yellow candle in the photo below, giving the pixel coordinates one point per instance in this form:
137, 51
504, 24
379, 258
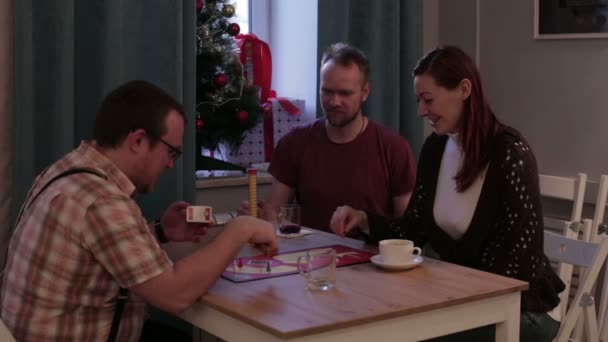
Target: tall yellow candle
253, 192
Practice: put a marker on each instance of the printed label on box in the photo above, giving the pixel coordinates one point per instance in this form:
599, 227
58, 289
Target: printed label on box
199, 213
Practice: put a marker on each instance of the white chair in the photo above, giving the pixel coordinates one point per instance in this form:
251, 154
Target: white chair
585, 254
600, 206
571, 189
565, 270
598, 229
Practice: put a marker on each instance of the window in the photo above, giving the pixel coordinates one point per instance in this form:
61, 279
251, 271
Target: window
241, 15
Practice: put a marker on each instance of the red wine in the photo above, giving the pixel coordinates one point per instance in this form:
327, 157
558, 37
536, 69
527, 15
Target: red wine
289, 229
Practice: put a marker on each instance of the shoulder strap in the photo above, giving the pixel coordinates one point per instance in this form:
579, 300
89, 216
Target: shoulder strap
60, 175
123, 292
28, 202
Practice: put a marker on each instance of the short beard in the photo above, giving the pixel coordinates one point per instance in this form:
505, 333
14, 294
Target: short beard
344, 123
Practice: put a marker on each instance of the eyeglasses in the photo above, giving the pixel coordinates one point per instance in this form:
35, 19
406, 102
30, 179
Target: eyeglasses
174, 152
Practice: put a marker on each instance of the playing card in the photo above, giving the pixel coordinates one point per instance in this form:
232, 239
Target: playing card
199, 213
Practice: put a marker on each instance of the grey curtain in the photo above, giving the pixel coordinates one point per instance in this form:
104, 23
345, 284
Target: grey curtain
390, 33
69, 54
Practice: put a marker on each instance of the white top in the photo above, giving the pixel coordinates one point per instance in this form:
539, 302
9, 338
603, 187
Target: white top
453, 210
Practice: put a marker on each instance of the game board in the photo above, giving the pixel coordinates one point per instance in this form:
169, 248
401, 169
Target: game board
262, 267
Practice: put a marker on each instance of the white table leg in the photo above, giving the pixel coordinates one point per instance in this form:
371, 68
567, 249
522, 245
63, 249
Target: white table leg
508, 330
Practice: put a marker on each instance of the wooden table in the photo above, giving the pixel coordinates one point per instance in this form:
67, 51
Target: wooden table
369, 304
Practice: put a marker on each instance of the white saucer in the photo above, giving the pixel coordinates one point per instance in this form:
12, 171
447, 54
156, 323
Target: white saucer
413, 262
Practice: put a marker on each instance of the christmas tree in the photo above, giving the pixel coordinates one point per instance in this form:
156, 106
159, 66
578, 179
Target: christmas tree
226, 105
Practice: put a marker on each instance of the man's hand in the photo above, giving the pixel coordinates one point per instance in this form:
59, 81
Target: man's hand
177, 229
244, 208
265, 210
259, 233
346, 219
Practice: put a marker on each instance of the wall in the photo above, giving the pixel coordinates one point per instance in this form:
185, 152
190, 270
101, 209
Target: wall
553, 91
225, 198
290, 29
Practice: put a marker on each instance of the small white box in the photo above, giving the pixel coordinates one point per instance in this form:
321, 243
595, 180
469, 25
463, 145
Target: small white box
199, 213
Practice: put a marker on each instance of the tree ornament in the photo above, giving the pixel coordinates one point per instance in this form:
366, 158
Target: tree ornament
234, 29
199, 5
243, 116
221, 92
228, 11
220, 24
220, 80
266, 108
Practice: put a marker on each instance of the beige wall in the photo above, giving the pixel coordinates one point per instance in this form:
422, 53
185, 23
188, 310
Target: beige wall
228, 198
553, 91
6, 119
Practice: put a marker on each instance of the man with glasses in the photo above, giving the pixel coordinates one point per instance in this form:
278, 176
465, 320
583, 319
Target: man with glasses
175, 152
81, 239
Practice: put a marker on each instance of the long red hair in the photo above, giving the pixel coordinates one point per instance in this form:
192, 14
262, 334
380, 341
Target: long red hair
448, 66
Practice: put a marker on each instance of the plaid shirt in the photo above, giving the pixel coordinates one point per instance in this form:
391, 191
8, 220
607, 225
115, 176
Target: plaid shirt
82, 239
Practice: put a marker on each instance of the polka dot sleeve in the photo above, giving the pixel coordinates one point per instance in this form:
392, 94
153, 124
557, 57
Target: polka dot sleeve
516, 248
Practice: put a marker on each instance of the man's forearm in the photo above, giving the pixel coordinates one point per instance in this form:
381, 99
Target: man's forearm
192, 276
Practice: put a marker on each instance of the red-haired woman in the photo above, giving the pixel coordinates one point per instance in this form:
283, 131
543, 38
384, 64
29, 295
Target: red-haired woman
477, 199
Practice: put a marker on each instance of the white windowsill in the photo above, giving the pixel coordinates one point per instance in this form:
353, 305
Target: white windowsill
220, 179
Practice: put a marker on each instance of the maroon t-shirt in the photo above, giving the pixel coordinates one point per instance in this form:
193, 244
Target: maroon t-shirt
365, 173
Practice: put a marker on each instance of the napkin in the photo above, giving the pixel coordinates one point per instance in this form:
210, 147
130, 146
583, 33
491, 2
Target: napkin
303, 231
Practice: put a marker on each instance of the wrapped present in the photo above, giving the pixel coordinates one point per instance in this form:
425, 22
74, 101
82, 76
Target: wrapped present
286, 113
251, 150
280, 116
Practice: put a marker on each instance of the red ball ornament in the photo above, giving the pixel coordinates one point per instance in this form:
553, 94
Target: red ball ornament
199, 5
200, 124
220, 80
243, 115
234, 29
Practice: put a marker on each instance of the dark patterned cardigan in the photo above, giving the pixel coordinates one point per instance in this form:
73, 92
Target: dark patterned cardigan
505, 235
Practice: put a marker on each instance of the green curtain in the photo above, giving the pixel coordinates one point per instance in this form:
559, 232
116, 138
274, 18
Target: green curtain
390, 33
69, 54
7, 119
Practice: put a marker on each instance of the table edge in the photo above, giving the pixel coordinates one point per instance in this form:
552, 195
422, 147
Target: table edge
522, 286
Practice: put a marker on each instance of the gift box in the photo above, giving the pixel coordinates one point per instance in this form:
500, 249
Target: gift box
258, 143
251, 150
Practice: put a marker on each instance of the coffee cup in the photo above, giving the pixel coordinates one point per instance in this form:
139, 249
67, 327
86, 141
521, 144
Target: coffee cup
398, 251
319, 269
